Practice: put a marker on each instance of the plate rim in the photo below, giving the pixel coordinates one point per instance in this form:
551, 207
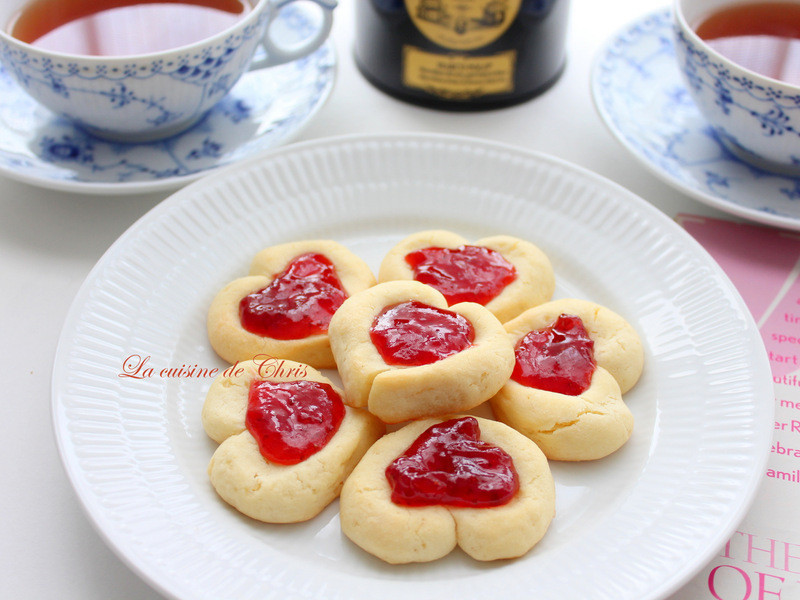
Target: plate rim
220, 176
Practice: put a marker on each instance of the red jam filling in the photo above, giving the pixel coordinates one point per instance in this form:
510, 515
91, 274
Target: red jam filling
558, 358
298, 303
450, 465
291, 420
463, 274
412, 334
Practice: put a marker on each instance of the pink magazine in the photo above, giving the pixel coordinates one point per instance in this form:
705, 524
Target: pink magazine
761, 561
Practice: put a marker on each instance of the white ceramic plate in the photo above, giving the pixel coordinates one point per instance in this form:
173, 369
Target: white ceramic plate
641, 97
266, 108
634, 526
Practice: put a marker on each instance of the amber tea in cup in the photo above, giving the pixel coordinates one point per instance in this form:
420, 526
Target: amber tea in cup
762, 37
122, 27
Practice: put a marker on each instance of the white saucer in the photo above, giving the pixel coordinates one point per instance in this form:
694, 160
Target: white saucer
640, 95
265, 109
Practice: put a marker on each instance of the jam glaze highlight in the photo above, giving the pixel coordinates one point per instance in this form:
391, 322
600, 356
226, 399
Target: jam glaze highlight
298, 303
463, 274
558, 358
413, 333
292, 420
449, 465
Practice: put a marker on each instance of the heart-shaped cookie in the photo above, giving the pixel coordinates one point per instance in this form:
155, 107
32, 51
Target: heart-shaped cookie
284, 306
505, 274
287, 441
507, 527
563, 393
380, 336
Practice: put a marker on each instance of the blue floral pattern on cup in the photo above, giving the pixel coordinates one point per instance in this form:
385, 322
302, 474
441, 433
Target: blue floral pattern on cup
131, 91
758, 122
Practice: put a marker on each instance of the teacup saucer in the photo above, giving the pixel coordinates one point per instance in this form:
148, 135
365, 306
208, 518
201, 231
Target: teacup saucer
266, 108
640, 95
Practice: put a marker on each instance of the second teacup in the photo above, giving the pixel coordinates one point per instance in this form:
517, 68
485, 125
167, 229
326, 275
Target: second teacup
755, 116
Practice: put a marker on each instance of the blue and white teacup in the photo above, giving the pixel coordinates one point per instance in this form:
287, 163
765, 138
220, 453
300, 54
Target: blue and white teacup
151, 96
754, 116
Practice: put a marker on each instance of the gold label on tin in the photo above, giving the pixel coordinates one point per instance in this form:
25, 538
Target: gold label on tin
462, 24
458, 76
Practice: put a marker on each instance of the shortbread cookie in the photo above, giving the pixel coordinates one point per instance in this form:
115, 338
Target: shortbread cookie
505, 274
499, 505
564, 393
287, 441
403, 354
283, 308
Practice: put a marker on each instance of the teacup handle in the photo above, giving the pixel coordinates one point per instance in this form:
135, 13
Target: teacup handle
276, 55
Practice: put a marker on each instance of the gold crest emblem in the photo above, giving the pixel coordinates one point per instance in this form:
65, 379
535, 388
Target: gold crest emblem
463, 24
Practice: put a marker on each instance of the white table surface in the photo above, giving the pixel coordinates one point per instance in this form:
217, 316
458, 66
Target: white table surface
50, 240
